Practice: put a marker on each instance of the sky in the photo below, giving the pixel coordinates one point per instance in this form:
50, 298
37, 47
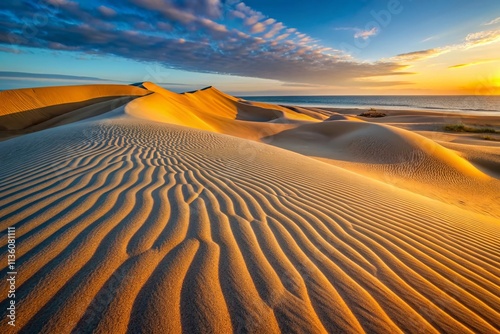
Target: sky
256, 47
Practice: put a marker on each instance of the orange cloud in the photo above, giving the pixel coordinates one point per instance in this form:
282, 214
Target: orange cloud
474, 63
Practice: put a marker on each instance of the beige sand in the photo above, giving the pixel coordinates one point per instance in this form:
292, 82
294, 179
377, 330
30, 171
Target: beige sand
200, 212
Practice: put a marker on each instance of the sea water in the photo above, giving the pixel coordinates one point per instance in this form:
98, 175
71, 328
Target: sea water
475, 104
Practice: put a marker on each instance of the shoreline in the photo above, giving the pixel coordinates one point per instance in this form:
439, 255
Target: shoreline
412, 111
289, 100
390, 109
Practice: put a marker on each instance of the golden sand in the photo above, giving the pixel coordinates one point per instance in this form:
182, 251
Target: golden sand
202, 212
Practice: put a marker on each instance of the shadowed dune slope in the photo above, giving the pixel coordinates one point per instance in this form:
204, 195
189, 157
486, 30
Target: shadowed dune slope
132, 226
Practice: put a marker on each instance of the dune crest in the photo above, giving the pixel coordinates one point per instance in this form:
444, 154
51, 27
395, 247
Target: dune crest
201, 212
389, 154
33, 109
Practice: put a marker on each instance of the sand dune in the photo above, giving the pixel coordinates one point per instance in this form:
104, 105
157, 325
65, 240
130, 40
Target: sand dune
168, 215
33, 109
212, 110
387, 153
399, 157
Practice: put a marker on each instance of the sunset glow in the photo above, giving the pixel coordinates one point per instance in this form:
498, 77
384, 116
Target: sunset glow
256, 47
256, 166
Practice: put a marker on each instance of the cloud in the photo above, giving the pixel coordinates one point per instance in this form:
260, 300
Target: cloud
382, 83
419, 55
431, 38
210, 8
269, 21
276, 28
164, 26
213, 25
258, 28
294, 84
106, 11
281, 37
249, 15
237, 14
365, 34
24, 75
10, 50
492, 22
360, 33
461, 65
60, 2
194, 35
482, 38
472, 40
250, 21
478, 62
73, 79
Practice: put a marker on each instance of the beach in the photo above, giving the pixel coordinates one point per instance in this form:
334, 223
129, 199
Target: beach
141, 210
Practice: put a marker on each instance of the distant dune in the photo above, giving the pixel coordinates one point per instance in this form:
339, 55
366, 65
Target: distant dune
33, 109
140, 210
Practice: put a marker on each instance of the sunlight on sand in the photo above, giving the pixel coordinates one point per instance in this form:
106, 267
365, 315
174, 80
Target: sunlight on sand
142, 210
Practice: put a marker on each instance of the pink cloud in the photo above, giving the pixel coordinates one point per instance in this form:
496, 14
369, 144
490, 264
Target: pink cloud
365, 34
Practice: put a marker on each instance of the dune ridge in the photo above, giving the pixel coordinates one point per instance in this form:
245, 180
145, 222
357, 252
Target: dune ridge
34, 109
385, 152
145, 221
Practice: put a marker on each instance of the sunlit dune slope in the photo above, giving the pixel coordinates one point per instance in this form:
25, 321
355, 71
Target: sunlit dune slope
128, 225
204, 213
393, 155
212, 110
396, 156
22, 108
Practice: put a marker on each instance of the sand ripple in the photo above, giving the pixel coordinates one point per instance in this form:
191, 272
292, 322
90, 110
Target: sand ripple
131, 226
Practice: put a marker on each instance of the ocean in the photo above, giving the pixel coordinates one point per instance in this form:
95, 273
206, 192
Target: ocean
474, 104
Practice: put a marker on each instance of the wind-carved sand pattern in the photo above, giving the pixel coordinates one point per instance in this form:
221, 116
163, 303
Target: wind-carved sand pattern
128, 225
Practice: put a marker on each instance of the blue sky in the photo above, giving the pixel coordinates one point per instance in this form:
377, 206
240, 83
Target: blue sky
253, 47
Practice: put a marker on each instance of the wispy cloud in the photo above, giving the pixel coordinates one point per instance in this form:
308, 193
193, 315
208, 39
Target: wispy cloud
360, 33
383, 83
472, 40
44, 76
365, 34
492, 22
419, 55
478, 62
70, 78
482, 38
461, 65
428, 39
293, 84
